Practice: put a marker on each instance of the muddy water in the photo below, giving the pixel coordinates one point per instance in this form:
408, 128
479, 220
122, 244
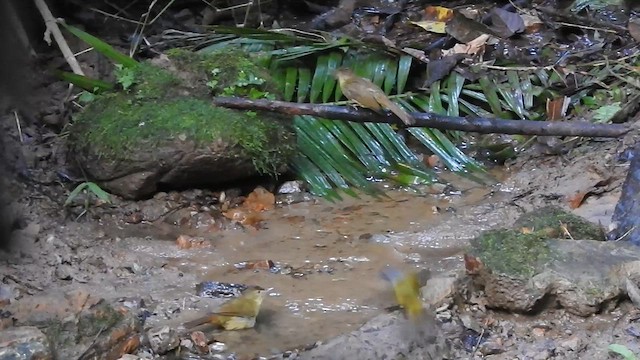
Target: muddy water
336, 252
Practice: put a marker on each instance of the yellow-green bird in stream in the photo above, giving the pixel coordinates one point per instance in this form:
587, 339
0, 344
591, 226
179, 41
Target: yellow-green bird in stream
406, 286
368, 95
236, 314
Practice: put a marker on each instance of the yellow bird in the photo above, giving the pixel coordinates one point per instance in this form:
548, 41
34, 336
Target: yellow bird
407, 290
369, 95
236, 314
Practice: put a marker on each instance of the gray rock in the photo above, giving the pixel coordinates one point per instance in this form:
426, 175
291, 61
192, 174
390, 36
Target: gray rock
387, 336
582, 275
25, 342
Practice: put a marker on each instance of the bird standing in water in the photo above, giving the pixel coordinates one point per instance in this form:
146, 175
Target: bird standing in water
236, 314
368, 95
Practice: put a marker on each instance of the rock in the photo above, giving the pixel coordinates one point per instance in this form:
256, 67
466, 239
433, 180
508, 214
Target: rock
518, 270
81, 324
540, 350
165, 131
291, 187
573, 343
64, 272
25, 342
394, 337
438, 290
163, 340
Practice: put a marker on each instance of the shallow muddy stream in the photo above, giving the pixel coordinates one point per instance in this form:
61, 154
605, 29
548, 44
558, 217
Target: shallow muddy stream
333, 253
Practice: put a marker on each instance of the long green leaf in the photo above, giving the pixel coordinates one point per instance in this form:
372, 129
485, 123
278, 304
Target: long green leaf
84, 82
102, 47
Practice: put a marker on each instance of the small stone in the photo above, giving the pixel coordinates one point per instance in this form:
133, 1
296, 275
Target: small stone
63, 272
573, 343
437, 290
491, 347
470, 323
291, 187
186, 344
217, 347
538, 332
129, 357
163, 340
25, 342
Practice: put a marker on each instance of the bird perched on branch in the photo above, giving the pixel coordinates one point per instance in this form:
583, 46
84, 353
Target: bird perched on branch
368, 95
407, 290
236, 314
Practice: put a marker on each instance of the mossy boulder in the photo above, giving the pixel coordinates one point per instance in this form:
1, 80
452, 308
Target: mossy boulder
537, 264
163, 131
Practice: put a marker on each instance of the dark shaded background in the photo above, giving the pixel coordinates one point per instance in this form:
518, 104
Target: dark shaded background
20, 23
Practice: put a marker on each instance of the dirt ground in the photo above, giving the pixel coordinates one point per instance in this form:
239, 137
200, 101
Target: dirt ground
327, 255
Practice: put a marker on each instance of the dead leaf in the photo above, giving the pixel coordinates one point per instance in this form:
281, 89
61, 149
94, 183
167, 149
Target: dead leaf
437, 13
506, 23
418, 54
260, 200
200, 340
472, 264
601, 186
473, 47
577, 199
439, 69
532, 23
190, 242
466, 30
255, 265
526, 230
557, 108
244, 217
437, 27
433, 161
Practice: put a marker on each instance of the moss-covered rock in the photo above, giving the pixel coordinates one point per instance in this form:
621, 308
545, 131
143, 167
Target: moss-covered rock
511, 252
555, 222
537, 260
163, 128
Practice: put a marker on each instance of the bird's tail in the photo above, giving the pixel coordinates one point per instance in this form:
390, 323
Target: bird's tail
204, 320
406, 118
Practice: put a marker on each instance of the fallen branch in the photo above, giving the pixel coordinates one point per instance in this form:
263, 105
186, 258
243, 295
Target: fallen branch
431, 120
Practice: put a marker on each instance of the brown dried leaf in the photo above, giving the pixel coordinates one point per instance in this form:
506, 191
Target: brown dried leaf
472, 264
473, 47
190, 242
577, 199
557, 108
260, 200
255, 265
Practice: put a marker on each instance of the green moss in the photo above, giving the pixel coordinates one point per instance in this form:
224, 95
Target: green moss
511, 252
119, 127
231, 72
163, 105
551, 219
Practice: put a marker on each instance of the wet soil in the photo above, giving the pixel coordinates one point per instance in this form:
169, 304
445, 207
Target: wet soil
335, 251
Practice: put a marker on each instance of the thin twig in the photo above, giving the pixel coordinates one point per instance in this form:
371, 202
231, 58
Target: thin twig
52, 27
432, 120
586, 27
15, 114
115, 16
